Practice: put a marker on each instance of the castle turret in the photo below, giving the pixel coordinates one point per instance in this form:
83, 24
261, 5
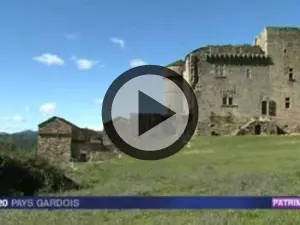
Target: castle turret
283, 46
176, 66
173, 95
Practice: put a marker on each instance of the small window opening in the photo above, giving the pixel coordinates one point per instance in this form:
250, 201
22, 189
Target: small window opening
272, 108
287, 103
264, 108
291, 74
219, 70
248, 73
284, 50
224, 101
227, 101
230, 100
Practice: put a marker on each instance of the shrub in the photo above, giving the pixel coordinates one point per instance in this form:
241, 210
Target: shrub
26, 174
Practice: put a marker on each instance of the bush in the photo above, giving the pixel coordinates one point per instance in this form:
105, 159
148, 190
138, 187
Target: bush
26, 174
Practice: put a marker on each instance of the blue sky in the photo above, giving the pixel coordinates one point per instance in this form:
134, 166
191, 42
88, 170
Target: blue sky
58, 57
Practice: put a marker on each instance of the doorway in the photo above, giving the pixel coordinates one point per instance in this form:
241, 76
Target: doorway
83, 157
257, 129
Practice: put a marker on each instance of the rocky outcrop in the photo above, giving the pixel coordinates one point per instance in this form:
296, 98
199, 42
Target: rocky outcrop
259, 126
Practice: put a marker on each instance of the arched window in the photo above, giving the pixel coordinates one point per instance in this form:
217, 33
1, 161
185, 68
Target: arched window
272, 108
264, 107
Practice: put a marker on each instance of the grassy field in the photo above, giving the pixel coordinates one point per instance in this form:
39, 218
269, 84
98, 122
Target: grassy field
209, 166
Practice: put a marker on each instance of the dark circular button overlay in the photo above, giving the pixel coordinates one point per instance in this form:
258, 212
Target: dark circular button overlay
155, 129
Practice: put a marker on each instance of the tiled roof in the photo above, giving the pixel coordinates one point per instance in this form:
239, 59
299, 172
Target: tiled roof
59, 118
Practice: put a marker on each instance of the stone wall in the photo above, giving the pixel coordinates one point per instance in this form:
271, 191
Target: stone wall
79, 134
90, 149
56, 126
54, 140
246, 92
283, 44
55, 148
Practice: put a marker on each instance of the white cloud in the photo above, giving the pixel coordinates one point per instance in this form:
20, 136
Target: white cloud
137, 62
48, 108
71, 36
49, 59
27, 108
84, 63
118, 41
98, 101
12, 118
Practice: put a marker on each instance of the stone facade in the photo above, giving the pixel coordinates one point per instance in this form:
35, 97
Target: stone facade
234, 83
59, 140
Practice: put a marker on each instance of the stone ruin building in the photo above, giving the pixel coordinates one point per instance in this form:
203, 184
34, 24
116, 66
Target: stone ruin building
246, 88
59, 138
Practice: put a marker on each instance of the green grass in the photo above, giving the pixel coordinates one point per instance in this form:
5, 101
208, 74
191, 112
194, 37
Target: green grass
211, 166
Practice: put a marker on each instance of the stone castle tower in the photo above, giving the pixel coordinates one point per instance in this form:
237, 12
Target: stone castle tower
234, 83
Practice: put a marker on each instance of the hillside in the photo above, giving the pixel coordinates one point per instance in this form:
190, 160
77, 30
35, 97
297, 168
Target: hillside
250, 165
25, 140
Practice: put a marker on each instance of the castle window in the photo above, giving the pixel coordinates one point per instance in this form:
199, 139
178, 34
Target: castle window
224, 101
264, 108
284, 50
227, 101
287, 103
248, 73
219, 70
272, 108
291, 74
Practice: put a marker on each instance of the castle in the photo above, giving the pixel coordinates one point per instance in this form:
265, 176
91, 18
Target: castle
240, 89
236, 83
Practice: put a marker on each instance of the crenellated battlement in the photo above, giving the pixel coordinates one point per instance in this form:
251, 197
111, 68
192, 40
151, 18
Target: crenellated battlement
230, 49
283, 29
239, 59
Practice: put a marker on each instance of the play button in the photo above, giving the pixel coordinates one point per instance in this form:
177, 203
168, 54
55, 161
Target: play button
150, 112
150, 105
